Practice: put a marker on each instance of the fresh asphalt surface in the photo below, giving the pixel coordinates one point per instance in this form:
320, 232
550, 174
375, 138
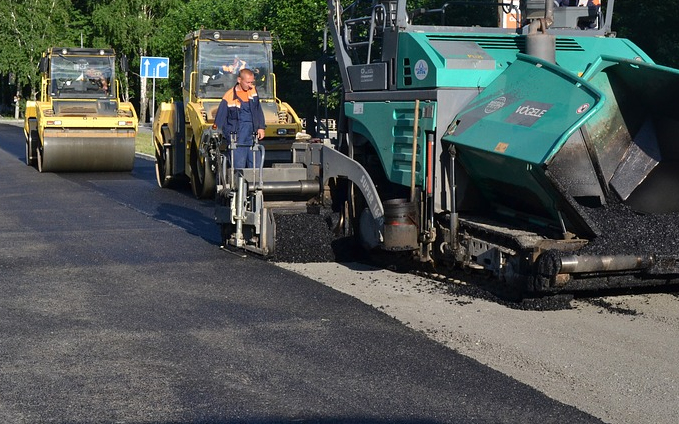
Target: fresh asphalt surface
118, 306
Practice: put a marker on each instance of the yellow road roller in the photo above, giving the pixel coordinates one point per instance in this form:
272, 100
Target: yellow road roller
79, 124
212, 59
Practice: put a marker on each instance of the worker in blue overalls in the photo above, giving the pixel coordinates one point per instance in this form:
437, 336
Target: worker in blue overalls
240, 113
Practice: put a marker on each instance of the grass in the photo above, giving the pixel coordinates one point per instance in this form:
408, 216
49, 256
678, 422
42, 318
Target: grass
144, 142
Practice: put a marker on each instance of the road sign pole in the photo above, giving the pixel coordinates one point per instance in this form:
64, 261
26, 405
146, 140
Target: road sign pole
153, 105
154, 67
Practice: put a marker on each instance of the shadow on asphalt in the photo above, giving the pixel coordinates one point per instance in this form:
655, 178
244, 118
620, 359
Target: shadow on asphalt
176, 206
192, 221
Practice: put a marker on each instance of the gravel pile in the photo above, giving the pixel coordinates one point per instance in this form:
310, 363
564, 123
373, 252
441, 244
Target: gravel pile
612, 308
305, 237
493, 292
477, 286
624, 231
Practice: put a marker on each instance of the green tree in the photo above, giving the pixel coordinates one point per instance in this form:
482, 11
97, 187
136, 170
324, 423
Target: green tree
297, 26
127, 26
29, 28
652, 26
139, 28
191, 16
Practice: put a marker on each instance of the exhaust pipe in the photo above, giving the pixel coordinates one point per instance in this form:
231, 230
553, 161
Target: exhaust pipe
538, 42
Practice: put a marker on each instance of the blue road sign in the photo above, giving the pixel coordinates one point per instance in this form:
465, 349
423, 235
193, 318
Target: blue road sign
154, 67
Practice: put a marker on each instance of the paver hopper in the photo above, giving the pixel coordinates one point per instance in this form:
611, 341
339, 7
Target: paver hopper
573, 144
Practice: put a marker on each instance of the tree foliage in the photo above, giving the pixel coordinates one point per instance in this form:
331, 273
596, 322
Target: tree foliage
139, 28
652, 26
29, 28
189, 16
297, 26
127, 26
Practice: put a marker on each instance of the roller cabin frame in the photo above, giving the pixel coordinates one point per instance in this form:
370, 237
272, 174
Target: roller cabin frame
183, 148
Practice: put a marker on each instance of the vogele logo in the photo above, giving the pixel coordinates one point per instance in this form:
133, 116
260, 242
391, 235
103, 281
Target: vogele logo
421, 69
495, 105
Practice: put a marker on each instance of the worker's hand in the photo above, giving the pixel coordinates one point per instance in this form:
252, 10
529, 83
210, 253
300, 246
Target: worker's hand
260, 134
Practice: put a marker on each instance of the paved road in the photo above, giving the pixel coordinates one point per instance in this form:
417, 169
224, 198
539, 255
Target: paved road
118, 306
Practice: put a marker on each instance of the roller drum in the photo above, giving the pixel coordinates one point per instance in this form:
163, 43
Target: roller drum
88, 151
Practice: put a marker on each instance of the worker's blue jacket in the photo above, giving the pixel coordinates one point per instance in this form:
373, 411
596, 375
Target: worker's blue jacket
228, 113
